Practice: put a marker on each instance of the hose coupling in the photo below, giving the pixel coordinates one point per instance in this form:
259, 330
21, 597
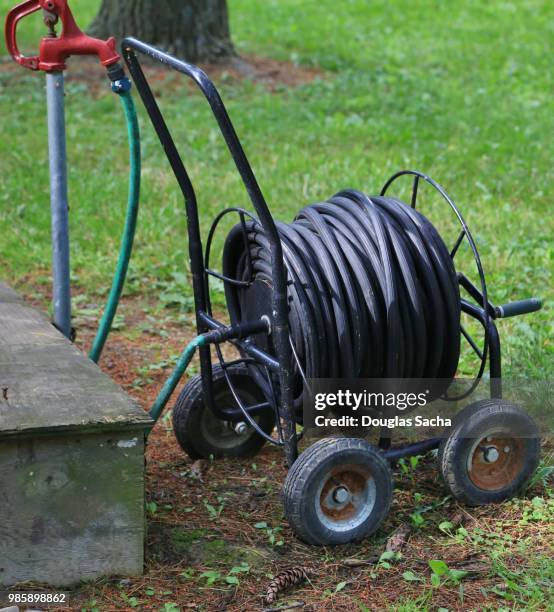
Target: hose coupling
121, 86
120, 81
241, 330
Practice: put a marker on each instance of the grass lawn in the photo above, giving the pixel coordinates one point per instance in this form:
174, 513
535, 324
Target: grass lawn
459, 90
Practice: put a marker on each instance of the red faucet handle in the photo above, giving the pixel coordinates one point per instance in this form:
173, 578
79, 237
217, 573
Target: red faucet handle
10, 33
54, 51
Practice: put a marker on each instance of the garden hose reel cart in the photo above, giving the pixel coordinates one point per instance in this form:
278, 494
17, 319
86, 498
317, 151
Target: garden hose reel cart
358, 284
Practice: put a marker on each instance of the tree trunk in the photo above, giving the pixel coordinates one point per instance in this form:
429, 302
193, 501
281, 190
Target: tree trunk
193, 30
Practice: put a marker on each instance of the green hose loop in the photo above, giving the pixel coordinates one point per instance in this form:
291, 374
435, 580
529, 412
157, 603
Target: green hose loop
129, 230
173, 380
123, 263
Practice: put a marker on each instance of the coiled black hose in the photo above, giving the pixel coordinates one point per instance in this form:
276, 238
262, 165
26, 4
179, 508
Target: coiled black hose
372, 289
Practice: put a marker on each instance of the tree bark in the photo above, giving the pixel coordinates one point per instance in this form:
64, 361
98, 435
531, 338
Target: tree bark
193, 30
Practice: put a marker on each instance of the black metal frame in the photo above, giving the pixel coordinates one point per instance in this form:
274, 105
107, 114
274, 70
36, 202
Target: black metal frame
280, 364
204, 320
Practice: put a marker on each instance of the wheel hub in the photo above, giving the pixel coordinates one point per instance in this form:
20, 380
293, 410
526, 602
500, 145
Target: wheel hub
341, 495
346, 497
491, 454
226, 434
240, 428
495, 462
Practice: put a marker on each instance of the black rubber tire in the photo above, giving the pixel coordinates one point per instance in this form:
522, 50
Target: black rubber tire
301, 490
192, 419
459, 417
473, 424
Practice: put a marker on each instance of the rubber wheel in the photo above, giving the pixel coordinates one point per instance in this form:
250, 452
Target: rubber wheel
492, 451
201, 434
339, 490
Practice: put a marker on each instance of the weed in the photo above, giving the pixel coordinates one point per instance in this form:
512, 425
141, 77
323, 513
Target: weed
544, 475
151, 508
132, 602
211, 576
271, 533
538, 510
215, 511
409, 465
442, 574
387, 558
232, 576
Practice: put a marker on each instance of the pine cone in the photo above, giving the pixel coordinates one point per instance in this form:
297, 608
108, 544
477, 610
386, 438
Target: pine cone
284, 580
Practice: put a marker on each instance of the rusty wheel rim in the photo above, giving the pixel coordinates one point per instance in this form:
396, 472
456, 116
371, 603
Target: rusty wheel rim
345, 497
495, 461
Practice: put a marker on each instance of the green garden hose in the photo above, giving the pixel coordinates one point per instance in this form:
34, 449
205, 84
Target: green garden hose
173, 380
121, 86
242, 330
125, 255
130, 225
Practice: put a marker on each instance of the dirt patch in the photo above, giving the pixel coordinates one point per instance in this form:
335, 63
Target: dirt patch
271, 74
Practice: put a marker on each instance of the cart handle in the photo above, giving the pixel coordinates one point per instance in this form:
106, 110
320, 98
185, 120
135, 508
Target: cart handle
280, 322
219, 111
521, 307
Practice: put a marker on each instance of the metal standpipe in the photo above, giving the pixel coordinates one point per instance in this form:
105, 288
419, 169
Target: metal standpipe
58, 201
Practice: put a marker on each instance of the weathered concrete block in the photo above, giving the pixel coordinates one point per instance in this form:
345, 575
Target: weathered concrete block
71, 459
